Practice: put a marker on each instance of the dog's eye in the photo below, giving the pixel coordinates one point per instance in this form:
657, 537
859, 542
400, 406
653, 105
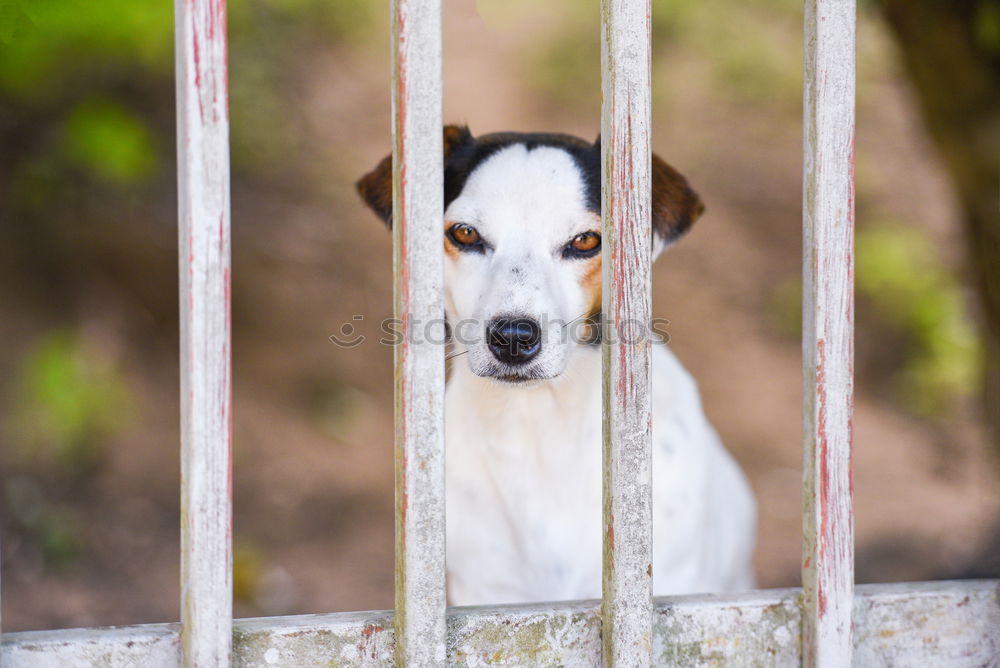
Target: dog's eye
583, 245
465, 237
586, 242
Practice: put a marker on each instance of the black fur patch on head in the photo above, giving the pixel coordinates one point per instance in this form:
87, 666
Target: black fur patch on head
375, 187
469, 155
675, 205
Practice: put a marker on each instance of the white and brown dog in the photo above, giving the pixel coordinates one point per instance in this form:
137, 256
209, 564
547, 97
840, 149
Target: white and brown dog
522, 239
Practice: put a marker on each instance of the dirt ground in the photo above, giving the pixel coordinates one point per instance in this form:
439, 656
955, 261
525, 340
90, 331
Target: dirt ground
313, 422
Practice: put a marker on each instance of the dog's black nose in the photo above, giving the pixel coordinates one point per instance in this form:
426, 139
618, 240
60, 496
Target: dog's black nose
514, 340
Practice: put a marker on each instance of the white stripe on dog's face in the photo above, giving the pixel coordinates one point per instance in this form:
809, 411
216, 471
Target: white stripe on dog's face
527, 206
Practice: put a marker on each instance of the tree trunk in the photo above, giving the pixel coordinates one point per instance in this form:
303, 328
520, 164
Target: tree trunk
951, 49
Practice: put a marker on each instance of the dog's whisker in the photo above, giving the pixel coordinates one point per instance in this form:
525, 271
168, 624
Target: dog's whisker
579, 317
454, 355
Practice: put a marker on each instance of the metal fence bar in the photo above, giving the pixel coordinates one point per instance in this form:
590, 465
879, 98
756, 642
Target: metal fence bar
625, 122
828, 332
206, 381
418, 206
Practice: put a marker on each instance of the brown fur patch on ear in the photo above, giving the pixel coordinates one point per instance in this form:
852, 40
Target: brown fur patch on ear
375, 187
675, 204
455, 136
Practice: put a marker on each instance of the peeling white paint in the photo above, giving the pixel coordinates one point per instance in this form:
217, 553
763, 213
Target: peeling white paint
828, 329
627, 300
206, 378
418, 259
940, 624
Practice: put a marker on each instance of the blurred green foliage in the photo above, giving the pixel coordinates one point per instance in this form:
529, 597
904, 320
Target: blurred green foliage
56, 41
988, 26
68, 401
90, 84
912, 292
111, 141
909, 303
87, 137
742, 44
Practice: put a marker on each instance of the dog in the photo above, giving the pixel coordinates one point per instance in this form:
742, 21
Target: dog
523, 405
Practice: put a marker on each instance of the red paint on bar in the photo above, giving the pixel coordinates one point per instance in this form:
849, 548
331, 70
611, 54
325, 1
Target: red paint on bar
206, 299
626, 623
229, 478
823, 536
623, 383
371, 629
218, 24
216, 16
196, 44
197, 59
850, 461
190, 271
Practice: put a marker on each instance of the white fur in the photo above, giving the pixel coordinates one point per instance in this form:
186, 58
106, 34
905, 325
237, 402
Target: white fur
523, 461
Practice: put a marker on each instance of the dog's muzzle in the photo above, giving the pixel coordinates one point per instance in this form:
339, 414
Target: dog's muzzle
514, 340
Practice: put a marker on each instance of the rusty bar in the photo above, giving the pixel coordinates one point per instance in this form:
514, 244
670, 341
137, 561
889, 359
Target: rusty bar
418, 206
828, 332
625, 120
206, 381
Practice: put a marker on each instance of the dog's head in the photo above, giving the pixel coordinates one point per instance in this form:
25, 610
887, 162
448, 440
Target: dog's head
522, 241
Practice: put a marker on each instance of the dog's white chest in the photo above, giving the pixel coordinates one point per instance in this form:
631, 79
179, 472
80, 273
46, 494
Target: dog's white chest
523, 509
524, 492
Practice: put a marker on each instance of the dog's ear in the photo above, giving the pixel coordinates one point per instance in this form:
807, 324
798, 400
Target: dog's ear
675, 206
455, 136
375, 187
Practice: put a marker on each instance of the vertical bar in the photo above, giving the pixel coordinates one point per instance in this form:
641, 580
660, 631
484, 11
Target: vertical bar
418, 209
625, 121
828, 332
206, 433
